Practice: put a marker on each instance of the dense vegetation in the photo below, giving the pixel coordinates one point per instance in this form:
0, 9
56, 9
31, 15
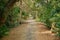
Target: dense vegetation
47, 11
50, 14
8, 15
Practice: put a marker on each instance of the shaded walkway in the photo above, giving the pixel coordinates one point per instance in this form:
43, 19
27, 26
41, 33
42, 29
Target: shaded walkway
30, 31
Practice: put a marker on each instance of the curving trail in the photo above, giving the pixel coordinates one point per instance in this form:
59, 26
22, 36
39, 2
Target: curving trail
30, 31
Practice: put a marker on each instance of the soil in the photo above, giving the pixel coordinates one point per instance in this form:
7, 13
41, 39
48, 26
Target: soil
30, 31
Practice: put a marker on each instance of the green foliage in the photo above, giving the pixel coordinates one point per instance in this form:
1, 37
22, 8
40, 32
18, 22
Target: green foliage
11, 20
24, 15
3, 31
50, 13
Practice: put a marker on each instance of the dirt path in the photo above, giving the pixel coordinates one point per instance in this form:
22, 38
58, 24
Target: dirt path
30, 31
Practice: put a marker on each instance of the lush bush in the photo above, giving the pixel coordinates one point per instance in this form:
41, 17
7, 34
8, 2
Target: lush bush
50, 14
11, 19
3, 31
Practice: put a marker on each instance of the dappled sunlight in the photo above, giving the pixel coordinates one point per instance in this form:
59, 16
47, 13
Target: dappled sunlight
46, 32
